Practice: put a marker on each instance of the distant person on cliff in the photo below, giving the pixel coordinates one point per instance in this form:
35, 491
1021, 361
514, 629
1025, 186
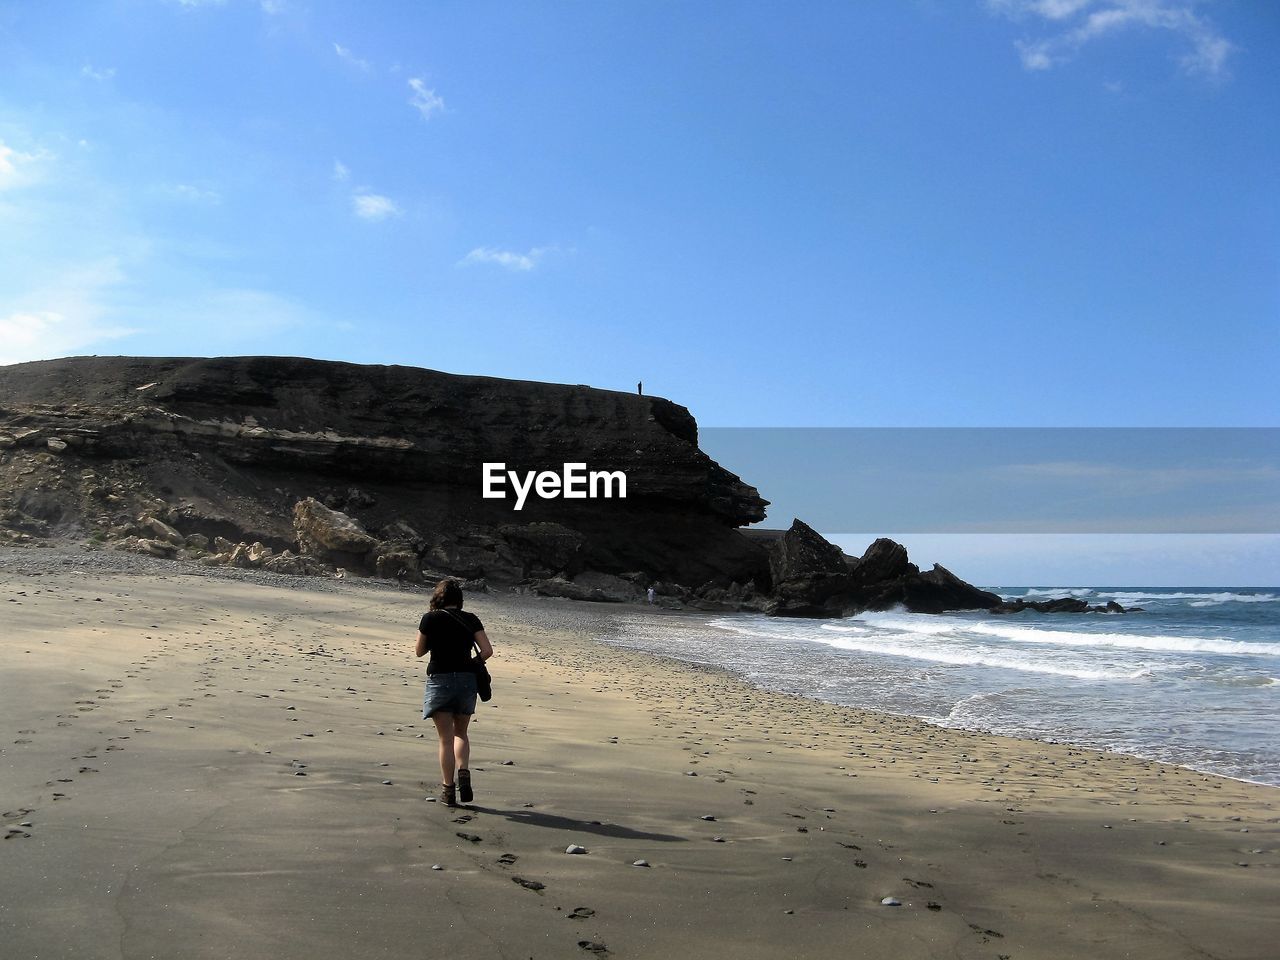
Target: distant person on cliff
449, 635
640, 388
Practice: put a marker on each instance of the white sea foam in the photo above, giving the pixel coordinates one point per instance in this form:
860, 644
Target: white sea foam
1126, 641
1158, 643
1061, 592
1191, 689
1148, 596
925, 623
1223, 597
977, 655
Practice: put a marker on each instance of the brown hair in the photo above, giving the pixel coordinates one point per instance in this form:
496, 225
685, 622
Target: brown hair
447, 594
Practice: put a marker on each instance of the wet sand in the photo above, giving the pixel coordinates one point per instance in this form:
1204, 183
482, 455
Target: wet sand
201, 766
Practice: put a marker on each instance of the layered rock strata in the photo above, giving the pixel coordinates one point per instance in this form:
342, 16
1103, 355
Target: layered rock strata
314, 467
230, 447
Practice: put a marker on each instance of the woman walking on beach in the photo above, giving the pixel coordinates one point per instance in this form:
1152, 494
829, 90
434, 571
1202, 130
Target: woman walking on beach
449, 634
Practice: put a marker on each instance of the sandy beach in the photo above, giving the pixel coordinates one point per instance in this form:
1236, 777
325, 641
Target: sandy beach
236, 766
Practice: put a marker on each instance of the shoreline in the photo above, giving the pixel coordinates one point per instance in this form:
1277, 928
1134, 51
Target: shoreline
211, 766
104, 560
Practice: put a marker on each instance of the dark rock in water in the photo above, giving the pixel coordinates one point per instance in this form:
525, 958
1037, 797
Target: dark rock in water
811, 576
1060, 605
803, 552
884, 560
882, 578
940, 589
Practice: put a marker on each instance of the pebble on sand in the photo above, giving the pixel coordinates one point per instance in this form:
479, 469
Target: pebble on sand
640, 863
891, 902
574, 848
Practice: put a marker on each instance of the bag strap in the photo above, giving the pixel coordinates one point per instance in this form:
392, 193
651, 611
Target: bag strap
457, 619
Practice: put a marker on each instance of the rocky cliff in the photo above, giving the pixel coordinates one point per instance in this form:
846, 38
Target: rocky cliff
227, 447
308, 466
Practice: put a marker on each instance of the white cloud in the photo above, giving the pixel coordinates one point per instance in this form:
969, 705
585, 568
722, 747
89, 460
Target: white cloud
99, 74
65, 318
1077, 23
48, 334
272, 7
16, 167
424, 99
1034, 56
373, 206
509, 259
1049, 9
340, 171
345, 54
192, 193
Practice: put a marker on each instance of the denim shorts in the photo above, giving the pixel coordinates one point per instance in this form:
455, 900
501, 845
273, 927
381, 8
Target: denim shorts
450, 693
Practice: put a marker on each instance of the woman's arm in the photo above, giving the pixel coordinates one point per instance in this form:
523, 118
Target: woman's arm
486, 648
421, 647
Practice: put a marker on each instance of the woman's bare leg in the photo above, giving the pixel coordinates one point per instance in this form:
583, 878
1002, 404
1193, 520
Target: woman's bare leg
462, 742
445, 731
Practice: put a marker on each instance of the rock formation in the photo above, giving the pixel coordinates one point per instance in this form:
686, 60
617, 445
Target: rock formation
813, 578
1061, 605
311, 467
346, 463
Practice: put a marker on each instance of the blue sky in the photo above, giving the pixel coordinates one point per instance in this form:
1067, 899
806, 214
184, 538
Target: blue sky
1001, 213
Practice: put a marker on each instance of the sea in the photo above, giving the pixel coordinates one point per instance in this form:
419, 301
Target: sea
1193, 679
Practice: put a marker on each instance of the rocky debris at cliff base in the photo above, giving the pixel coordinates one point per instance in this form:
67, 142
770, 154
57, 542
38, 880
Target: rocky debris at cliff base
322, 530
589, 586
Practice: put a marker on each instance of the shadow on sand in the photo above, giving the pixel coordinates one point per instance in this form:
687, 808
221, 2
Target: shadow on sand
554, 822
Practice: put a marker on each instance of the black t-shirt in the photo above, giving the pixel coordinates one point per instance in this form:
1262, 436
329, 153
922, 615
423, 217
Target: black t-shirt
448, 641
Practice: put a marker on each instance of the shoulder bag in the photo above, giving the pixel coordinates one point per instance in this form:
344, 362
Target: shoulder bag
484, 682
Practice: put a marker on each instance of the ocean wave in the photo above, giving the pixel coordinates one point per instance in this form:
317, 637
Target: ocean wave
985, 657
1157, 643
1205, 598
1060, 592
924, 623
1151, 596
